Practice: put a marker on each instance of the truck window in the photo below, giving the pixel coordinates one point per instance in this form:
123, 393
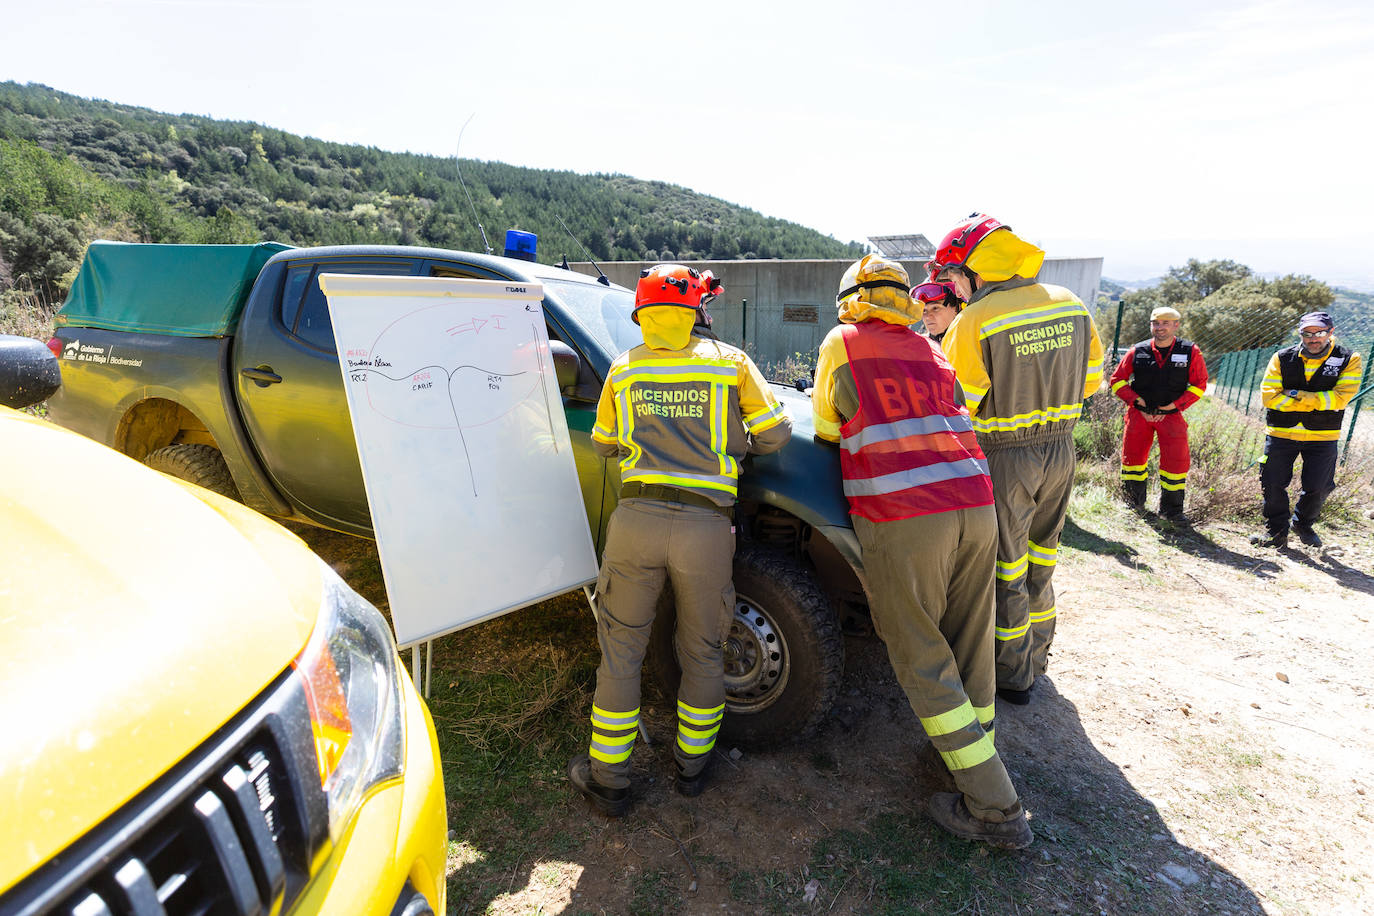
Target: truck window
455, 273
304, 309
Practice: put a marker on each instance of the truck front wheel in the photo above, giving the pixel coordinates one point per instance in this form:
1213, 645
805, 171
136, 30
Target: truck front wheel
784, 655
201, 465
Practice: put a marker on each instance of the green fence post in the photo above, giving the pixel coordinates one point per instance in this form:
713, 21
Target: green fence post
1116, 337
1251, 386
1355, 404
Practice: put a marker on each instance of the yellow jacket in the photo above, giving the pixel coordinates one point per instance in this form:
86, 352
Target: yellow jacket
1026, 354
1312, 403
684, 417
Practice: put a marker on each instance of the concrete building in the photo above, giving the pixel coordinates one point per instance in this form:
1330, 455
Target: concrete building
780, 311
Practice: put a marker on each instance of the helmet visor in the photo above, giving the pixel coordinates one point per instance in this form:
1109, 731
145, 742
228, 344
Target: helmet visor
933, 292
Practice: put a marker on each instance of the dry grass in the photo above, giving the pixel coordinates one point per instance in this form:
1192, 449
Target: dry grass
23, 314
1226, 445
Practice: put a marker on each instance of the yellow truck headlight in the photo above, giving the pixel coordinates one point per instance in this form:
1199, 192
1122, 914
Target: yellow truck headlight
352, 685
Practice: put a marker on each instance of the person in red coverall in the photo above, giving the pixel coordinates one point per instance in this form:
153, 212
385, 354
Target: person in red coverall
1158, 379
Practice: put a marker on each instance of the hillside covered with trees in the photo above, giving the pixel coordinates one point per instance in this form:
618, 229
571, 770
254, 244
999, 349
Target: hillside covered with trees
75, 169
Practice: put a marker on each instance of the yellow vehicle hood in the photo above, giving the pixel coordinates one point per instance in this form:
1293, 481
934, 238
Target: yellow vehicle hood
138, 614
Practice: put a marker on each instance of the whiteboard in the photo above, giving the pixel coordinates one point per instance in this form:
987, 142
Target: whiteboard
465, 453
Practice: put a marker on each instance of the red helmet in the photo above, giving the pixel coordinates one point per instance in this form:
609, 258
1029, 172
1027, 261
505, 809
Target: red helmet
674, 284
959, 243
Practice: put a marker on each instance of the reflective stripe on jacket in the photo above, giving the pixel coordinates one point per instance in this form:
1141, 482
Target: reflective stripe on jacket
1325, 384
1026, 354
910, 450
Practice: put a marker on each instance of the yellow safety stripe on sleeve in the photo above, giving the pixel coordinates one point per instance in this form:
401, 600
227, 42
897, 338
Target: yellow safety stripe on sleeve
1094, 376
1117, 386
961, 716
1043, 556
1007, 634
1025, 420
1201, 393
1034, 315
602, 434
1009, 572
1042, 616
1328, 400
970, 755
973, 395
760, 420
825, 427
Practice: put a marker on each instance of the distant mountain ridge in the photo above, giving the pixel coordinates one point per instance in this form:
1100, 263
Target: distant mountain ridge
72, 169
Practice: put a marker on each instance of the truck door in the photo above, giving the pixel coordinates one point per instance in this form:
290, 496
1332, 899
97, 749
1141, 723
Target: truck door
292, 396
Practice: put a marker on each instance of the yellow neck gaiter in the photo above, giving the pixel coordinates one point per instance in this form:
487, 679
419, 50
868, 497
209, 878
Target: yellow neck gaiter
666, 327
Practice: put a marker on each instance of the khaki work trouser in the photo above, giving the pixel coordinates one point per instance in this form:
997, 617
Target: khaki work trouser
932, 603
1031, 485
647, 542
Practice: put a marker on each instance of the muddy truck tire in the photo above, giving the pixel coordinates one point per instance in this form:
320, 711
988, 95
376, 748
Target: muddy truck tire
201, 465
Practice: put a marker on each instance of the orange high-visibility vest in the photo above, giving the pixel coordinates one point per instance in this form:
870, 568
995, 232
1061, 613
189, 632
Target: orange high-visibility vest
910, 450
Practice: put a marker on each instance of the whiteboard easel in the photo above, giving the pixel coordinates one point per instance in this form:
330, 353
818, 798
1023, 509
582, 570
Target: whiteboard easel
464, 447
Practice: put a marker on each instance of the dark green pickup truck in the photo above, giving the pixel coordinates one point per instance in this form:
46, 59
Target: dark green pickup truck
216, 363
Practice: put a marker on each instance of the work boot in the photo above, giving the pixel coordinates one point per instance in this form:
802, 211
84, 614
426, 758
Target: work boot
1279, 540
1133, 491
950, 812
610, 802
1014, 696
1307, 535
1171, 506
691, 786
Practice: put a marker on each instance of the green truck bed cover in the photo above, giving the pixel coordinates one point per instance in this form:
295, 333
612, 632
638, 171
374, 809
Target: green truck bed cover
180, 290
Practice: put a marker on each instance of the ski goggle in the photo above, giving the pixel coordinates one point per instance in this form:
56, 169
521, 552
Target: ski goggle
933, 292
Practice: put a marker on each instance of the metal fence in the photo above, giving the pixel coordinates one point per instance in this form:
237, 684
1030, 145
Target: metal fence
1236, 368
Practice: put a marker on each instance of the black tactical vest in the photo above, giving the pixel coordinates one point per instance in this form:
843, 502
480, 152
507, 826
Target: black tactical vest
1158, 384
1324, 378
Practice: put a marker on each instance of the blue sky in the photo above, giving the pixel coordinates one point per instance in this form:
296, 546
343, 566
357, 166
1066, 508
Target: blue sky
1146, 133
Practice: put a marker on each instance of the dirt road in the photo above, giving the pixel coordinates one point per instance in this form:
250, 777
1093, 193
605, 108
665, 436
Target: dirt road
1202, 744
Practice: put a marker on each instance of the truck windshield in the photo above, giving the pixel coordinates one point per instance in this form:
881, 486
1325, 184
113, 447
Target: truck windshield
604, 312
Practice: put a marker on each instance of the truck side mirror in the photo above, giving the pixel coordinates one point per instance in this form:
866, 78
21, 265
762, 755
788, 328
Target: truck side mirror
566, 363
29, 373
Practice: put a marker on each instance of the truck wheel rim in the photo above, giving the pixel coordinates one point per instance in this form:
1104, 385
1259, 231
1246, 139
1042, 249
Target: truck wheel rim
756, 659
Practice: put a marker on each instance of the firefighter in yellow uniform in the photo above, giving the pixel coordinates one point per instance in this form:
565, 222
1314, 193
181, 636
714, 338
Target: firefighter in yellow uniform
680, 412
1026, 354
921, 502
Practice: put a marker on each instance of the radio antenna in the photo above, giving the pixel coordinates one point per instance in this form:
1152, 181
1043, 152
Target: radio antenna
457, 165
603, 279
